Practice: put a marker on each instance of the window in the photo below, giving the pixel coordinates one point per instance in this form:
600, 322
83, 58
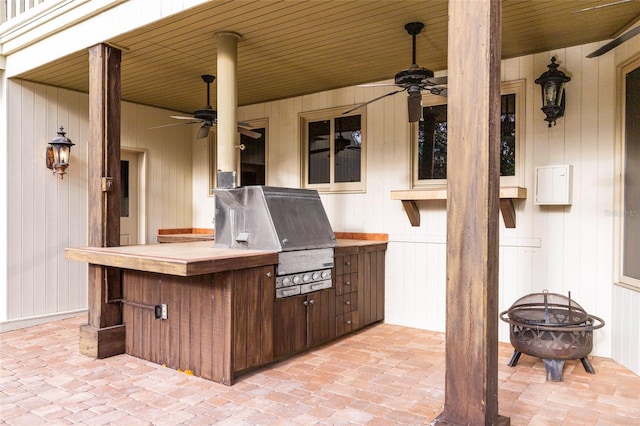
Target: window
252, 164
333, 150
630, 212
430, 139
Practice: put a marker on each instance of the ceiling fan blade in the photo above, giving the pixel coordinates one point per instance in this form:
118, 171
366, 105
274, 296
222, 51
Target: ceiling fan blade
204, 131
250, 133
182, 117
373, 100
435, 81
377, 85
172, 124
414, 105
615, 42
600, 6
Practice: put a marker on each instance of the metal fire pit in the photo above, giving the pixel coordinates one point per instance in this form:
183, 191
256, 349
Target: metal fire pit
552, 327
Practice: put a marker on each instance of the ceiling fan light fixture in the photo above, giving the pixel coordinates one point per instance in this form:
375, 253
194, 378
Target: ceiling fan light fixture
412, 76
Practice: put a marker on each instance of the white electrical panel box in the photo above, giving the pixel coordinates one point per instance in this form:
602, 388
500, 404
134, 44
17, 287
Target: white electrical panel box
553, 185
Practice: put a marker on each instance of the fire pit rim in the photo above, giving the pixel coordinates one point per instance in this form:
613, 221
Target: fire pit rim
585, 321
587, 326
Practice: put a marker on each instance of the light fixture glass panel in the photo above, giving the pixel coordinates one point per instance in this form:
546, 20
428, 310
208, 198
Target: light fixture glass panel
549, 93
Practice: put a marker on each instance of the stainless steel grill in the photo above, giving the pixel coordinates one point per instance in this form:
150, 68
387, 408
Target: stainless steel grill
288, 220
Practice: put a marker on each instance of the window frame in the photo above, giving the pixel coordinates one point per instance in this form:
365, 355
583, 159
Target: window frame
517, 87
620, 213
331, 114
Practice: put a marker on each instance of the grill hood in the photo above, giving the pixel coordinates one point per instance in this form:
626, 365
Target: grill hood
271, 218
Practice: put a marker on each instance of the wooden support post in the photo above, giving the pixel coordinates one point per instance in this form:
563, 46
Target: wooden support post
473, 179
104, 335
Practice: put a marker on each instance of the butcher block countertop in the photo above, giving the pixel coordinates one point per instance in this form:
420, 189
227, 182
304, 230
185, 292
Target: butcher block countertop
185, 259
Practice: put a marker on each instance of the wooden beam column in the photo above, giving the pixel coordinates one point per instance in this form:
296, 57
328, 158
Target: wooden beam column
473, 179
104, 335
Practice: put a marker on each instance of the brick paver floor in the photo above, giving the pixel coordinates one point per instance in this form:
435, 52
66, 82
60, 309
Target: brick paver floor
383, 375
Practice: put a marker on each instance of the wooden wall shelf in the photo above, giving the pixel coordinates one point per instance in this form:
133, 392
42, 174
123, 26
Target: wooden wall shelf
409, 197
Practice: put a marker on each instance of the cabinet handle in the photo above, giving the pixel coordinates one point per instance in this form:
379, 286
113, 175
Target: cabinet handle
305, 303
311, 302
348, 263
347, 283
269, 274
348, 302
348, 321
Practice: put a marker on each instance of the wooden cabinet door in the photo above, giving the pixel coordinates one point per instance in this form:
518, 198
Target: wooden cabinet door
254, 291
289, 325
304, 321
321, 317
371, 280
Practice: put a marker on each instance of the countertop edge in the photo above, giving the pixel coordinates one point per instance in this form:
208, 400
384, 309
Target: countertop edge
197, 258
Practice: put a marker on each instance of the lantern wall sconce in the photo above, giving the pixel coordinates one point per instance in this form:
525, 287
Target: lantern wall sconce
553, 97
58, 153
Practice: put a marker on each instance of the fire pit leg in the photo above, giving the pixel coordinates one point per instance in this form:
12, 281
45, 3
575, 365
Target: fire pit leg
554, 369
587, 365
514, 358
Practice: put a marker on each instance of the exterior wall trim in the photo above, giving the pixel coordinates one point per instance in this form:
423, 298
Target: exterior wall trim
39, 319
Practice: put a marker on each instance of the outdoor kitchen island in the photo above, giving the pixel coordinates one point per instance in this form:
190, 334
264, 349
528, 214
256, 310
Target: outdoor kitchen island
221, 314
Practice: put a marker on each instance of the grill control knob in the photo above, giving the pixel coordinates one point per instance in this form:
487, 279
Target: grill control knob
286, 281
297, 279
306, 277
315, 276
325, 275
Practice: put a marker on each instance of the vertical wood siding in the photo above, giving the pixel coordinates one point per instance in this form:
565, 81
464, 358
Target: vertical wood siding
558, 248
46, 214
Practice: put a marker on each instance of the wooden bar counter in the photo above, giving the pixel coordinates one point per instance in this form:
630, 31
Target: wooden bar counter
220, 313
184, 259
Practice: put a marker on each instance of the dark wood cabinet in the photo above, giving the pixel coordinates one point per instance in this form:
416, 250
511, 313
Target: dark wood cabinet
217, 324
221, 322
346, 279
359, 279
304, 321
355, 301
371, 264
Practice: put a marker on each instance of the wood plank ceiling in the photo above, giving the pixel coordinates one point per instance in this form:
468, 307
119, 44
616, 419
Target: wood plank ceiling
296, 47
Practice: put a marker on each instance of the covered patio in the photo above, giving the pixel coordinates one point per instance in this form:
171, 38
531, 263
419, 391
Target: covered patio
384, 375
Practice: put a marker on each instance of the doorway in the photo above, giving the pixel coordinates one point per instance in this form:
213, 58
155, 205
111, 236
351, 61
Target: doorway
131, 204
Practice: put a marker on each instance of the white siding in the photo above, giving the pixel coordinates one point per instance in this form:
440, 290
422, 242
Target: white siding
558, 248
46, 214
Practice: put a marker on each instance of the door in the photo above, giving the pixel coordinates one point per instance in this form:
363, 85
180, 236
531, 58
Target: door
129, 198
